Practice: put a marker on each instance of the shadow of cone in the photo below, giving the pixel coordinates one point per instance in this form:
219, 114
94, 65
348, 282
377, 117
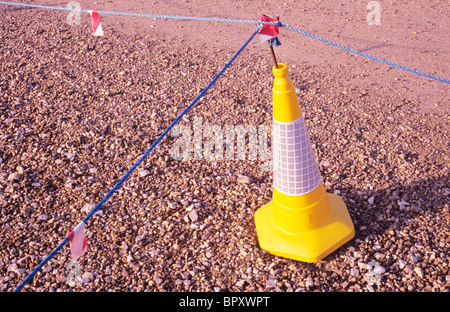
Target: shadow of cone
302, 221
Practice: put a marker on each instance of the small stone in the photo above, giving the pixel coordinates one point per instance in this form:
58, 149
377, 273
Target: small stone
20, 170
87, 208
13, 268
155, 252
14, 176
42, 217
144, 173
47, 268
193, 216
309, 282
354, 272
271, 283
363, 265
178, 281
240, 283
87, 277
244, 180
209, 254
419, 272
378, 269
371, 200
402, 263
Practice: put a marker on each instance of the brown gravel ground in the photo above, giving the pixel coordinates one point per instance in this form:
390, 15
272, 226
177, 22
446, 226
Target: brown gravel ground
76, 111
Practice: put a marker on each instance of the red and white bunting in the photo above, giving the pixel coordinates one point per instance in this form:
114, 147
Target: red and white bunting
268, 32
77, 240
96, 23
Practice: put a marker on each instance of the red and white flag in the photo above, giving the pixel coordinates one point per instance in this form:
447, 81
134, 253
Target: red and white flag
96, 23
268, 32
77, 240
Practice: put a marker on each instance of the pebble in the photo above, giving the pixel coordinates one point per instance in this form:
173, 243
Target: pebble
309, 282
20, 170
13, 268
87, 208
144, 173
363, 266
354, 272
158, 280
244, 180
87, 277
402, 263
402, 204
240, 283
193, 216
271, 283
14, 176
42, 217
419, 272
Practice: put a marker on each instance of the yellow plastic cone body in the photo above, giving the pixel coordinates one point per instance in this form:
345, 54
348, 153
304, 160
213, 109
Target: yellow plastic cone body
302, 221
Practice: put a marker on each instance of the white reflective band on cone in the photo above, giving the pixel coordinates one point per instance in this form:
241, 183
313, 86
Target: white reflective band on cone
295, 170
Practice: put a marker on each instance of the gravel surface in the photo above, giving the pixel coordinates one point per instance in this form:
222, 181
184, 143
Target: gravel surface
77, 111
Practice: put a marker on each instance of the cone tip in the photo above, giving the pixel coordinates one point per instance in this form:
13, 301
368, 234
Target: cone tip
282, 70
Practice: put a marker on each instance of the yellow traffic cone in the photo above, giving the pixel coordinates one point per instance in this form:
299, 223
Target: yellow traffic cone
302, 221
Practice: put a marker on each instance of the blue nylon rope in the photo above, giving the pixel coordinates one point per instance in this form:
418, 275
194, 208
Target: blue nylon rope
259, 23
364, 54
192, 18
114, 189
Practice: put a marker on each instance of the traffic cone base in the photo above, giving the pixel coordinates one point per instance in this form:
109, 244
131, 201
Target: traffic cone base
308, 246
